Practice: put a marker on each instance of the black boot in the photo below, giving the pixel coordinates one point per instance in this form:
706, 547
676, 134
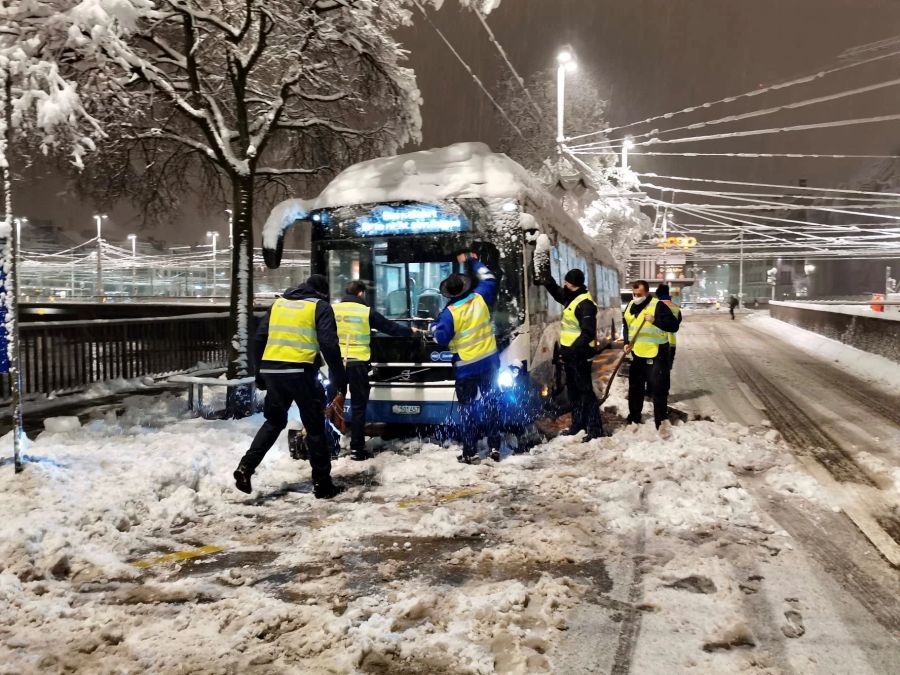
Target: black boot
361, 455
495, 454
467, 458
242, 478
327, 490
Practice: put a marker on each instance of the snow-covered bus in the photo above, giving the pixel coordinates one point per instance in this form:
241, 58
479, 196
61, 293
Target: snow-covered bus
398, 223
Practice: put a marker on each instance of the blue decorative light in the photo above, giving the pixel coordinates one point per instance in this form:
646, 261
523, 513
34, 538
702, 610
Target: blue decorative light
413, 219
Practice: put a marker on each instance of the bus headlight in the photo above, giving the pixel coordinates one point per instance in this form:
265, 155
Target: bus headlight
507, 377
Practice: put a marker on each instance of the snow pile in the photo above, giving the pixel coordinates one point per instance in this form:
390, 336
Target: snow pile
541, 256
872, 368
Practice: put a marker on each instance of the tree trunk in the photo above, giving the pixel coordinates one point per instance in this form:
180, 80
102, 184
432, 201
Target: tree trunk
9, 275
239, 402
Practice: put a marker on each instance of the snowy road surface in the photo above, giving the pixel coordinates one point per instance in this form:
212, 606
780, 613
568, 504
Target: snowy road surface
703, 549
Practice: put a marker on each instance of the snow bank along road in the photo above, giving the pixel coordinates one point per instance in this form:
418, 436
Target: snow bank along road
706, 548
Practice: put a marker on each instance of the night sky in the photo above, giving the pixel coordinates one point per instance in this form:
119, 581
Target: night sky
656, 56
651, 57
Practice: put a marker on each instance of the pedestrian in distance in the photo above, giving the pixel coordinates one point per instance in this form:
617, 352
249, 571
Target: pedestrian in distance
355, 322
577, 349
732, 303
648, 321
664, 295
297, 329
466, 328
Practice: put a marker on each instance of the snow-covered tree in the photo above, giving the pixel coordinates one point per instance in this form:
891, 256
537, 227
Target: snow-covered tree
535, 116
40, 108
242, 99
615, 221
618, 223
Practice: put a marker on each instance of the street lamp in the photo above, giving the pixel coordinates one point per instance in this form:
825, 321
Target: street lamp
99, 218
215, 237
230, 228
566, 62
133, 239
627, 144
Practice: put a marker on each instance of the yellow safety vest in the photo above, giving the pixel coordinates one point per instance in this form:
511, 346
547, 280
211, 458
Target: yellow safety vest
473, 331
353, 330
570, 328
676, 310
292, 332
650, 338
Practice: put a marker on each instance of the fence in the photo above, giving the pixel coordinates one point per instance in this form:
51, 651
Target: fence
878, 335
61, 356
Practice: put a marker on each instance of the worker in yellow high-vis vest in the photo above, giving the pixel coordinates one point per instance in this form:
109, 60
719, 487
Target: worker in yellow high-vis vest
650, 321
664, 295
298, 328
466, 327
577, 349
355, 322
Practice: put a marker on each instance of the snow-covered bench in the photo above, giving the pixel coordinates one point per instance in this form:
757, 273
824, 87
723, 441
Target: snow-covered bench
196, 380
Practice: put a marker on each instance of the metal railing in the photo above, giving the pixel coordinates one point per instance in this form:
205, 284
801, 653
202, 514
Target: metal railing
66, 356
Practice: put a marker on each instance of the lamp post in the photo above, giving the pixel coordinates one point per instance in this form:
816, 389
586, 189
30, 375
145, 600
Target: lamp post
230, 228
215, 237
133, 239
99, 220
627, 144
566, 63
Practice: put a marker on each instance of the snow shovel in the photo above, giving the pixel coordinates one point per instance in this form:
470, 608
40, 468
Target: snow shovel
619, 363
334, 412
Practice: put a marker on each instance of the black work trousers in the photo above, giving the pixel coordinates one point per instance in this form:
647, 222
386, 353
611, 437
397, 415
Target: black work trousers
358, 382
580, 387
655, 373
478, 417
283, 389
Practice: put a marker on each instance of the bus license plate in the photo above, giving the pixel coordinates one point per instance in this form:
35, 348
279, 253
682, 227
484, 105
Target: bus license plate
406, 409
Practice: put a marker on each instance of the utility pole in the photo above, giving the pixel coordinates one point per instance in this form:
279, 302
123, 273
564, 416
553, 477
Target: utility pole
99, 219
627, 144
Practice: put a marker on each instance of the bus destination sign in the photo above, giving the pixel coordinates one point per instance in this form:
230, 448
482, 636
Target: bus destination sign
413, 219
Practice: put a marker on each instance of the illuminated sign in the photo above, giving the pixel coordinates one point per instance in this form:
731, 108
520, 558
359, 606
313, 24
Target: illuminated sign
677, 242
413, 219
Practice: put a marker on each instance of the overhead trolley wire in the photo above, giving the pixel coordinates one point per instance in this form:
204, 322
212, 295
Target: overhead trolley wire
806, 79
519, 79
471, 72
756, 113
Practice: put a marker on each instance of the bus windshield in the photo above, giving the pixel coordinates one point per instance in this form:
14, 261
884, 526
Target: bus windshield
400, 287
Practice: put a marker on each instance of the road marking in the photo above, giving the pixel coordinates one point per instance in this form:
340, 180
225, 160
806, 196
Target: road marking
177, 556
753, 398
850, 498
445, 497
